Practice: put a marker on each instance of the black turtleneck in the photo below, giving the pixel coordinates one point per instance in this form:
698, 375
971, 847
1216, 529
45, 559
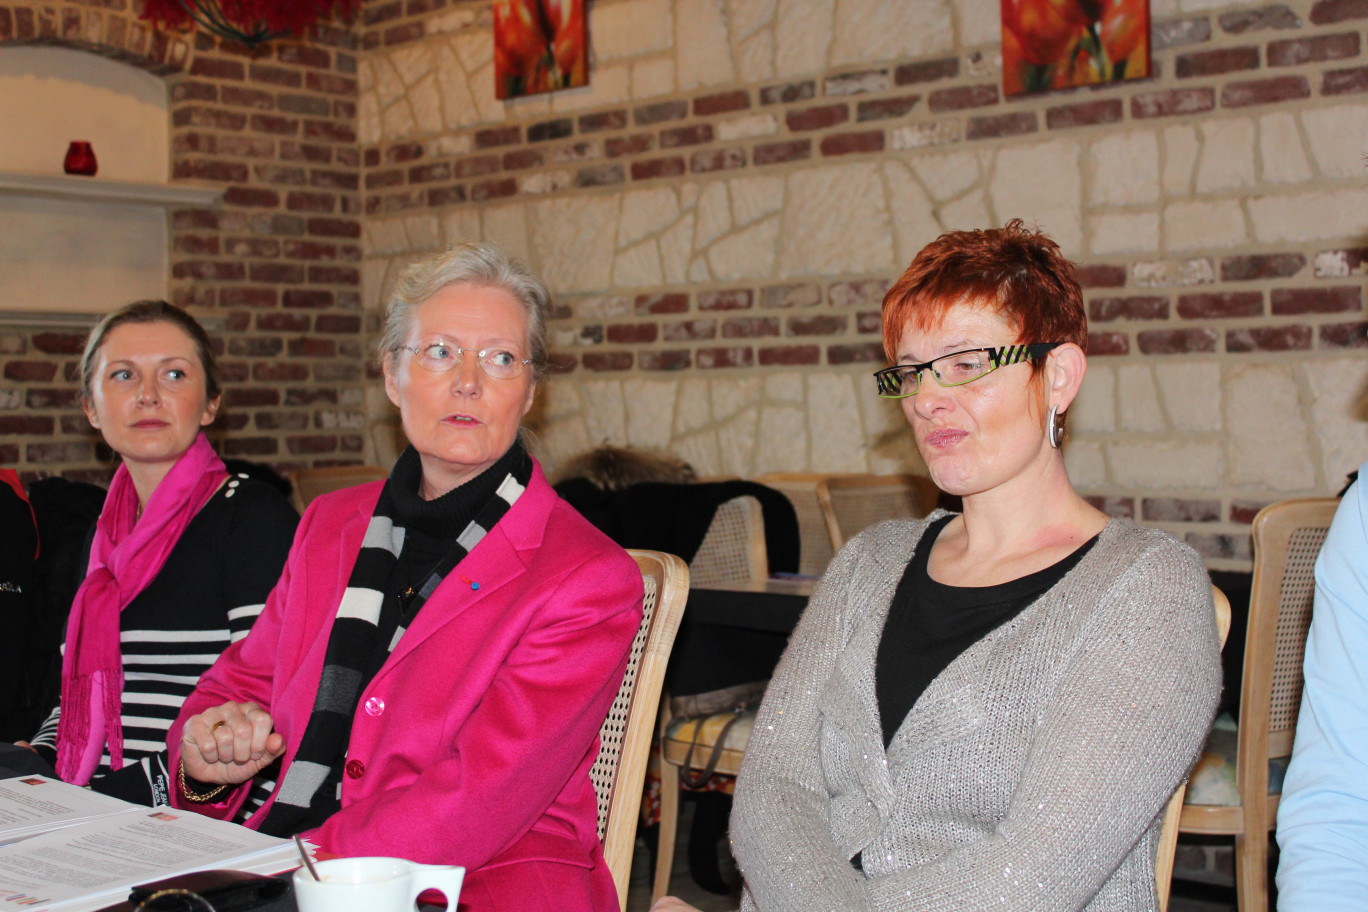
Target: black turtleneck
430, 530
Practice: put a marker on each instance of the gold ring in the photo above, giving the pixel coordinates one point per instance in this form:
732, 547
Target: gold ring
215, 727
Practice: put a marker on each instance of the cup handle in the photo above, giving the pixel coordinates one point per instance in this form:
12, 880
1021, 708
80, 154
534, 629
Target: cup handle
446, 878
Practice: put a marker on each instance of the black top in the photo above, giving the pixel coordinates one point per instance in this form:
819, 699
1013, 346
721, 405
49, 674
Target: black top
930, 624
208, 593
66, 512
632, 516
18, 605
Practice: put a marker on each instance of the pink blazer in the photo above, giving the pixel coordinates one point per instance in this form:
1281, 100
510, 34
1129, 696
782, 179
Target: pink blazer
473, 743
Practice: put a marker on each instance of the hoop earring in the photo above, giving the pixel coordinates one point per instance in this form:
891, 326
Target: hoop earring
1054, 427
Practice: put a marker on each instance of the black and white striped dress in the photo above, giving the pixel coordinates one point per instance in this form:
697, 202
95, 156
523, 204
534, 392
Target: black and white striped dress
209, 592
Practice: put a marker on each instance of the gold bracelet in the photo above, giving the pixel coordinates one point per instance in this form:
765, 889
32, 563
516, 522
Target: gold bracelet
195, 797
187, 896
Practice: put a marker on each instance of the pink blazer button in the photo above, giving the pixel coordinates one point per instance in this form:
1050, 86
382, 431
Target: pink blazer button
355, 769
375, 706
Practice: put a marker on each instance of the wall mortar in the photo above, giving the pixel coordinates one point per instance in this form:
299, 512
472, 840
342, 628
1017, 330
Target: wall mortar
277, 264
1215, 211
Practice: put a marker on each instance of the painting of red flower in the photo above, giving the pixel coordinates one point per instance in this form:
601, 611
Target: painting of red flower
539, 46
1059, 44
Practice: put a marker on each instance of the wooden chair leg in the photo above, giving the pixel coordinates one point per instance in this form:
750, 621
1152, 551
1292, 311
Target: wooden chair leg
1251, 871
669, 824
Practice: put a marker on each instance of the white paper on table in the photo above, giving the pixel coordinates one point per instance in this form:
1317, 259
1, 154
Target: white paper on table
92, 864
36, 804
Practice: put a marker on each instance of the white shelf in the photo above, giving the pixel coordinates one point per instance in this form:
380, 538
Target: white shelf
82, 322
64, 186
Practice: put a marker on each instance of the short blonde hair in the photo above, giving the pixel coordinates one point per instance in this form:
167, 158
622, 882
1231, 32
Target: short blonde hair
479, 263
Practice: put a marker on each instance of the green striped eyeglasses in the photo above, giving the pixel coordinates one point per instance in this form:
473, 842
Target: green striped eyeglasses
956, 369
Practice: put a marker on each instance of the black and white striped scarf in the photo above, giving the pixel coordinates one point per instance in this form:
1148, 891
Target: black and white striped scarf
303, 800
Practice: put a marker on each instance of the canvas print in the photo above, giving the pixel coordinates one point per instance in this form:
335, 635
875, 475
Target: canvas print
1060, 44
538, 46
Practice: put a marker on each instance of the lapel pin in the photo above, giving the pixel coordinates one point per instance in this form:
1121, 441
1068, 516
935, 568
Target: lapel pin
473, 584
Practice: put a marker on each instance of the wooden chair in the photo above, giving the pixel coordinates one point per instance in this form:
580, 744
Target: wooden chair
674, 748
734, 548
1287, 538
801, 490
310, 483
732, 551
625, 739
1168, 834
855, 502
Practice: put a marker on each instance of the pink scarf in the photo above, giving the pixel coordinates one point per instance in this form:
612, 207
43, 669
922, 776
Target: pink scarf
127, 554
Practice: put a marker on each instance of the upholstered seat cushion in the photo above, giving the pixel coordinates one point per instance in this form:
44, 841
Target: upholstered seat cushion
1212, 780
682, 732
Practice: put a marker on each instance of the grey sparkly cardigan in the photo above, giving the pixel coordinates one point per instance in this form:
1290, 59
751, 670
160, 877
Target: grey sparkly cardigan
1030, 775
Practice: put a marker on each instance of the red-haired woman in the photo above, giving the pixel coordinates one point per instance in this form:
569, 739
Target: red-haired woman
983, 710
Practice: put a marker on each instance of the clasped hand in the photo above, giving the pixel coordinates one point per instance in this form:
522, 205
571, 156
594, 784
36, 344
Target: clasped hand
229, 744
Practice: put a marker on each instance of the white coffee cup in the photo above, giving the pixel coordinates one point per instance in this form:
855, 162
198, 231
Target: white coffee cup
373, 885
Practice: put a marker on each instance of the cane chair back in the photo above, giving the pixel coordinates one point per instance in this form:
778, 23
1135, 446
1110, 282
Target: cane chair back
855, 502
311, 483
625, 739
1168, 835
1287, 539
801, 490
733, 550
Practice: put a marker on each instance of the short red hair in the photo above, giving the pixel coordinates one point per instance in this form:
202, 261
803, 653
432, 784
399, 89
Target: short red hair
1019, 271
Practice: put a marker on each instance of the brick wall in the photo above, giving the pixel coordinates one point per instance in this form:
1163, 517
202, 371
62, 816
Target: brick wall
277, 265
721, 210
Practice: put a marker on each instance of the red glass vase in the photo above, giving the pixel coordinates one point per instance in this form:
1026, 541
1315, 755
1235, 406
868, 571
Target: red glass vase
80, 159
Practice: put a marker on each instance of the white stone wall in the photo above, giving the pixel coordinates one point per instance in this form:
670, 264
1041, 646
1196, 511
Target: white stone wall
1218, 216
